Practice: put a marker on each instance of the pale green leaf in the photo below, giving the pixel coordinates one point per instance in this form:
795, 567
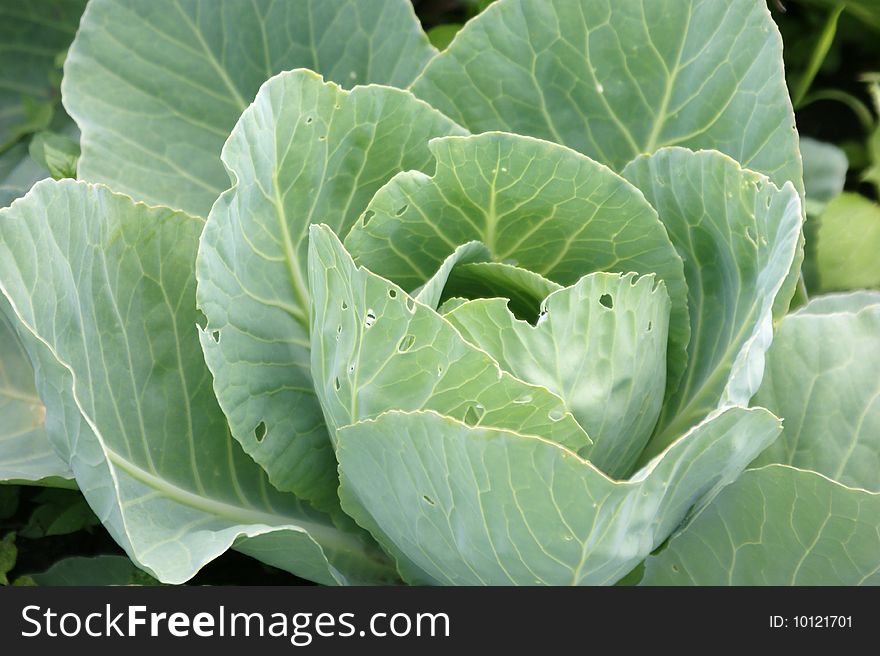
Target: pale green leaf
777, 526
25, 452
848, 243
534, 204
822, 378
375, 349
599, 345
846, 302
739, 237
157, 86
450, 304
108, 312
305, 151
468, 505
617, 78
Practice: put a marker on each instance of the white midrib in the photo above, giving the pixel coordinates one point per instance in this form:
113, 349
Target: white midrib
324, 534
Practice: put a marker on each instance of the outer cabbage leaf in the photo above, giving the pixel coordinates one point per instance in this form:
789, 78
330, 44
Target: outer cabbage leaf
538, 205
374, 349
108, 312
456, 504
848, 302
739, 236
600, 345
305, 151
822, 377
777, 526
25, 451
157, 86
616, 78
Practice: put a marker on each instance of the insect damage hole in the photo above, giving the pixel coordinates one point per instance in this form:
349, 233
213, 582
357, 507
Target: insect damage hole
367, 217
215, 335
406, 343
344, 305
428, 500
337, 384
392, 293
260, 432
309, 120
650, 326
474, 414
606, 301
370, 319
401, 210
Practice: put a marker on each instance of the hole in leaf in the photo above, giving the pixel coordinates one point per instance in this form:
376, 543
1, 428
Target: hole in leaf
215, 335
750, 233
351, 368
406, 343
309, 120
525, 398
474, 414
367, 217
260, 431
392, 293
650, 326
344, 305
542, 317
606, 301
439, 371
337, 384
400, 211
556, 413
370, 318
675, 568
410, 304
323, 137
428, 500
339, 329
